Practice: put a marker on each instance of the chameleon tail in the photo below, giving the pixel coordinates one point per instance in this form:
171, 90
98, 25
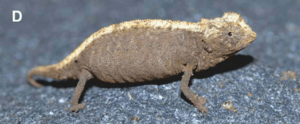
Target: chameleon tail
45, 71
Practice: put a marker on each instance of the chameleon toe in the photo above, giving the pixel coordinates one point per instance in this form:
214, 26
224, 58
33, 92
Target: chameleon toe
77, 107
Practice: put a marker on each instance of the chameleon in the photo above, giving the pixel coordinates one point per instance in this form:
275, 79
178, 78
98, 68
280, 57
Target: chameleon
144, 50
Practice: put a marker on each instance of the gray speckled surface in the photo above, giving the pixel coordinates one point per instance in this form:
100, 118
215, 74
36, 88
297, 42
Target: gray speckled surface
252, 80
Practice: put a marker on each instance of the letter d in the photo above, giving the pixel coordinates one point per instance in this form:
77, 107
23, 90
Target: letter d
14, 12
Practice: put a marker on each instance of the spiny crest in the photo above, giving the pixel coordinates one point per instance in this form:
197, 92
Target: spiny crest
236, 18
228, 19
232, 17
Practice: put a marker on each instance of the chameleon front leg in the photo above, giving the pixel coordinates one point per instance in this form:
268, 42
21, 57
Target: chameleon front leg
84, 76
189, 94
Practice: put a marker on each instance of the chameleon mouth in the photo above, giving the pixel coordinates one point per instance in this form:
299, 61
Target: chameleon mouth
248, 40
253, 36
232, 54
224, 56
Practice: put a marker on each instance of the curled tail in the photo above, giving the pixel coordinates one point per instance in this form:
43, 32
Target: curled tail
45, 71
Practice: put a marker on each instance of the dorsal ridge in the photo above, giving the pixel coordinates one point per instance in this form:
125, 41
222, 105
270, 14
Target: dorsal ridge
136, 24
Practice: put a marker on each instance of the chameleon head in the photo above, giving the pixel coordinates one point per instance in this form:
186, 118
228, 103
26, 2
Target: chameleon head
227, 35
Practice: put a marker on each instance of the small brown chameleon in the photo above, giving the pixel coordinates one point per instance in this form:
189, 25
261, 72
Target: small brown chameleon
143, 50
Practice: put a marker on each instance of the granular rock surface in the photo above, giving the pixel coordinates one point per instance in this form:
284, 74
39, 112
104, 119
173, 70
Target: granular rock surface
259, 85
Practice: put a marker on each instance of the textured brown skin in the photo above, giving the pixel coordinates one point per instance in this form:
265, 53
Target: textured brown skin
143, 52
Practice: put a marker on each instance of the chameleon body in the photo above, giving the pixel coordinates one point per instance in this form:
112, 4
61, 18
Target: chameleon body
143, 50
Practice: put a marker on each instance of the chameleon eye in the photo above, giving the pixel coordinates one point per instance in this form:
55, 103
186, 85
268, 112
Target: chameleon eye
230, 34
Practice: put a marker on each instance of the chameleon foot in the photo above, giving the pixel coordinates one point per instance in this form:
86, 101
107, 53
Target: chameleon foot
77, 107
199, 104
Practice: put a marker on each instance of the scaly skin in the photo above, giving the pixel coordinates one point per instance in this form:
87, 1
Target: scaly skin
143, 50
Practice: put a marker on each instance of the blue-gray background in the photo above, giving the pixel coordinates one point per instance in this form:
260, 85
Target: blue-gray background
51, 29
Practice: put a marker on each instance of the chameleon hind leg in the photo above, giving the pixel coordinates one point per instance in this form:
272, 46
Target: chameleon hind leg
189, 94
84, 76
